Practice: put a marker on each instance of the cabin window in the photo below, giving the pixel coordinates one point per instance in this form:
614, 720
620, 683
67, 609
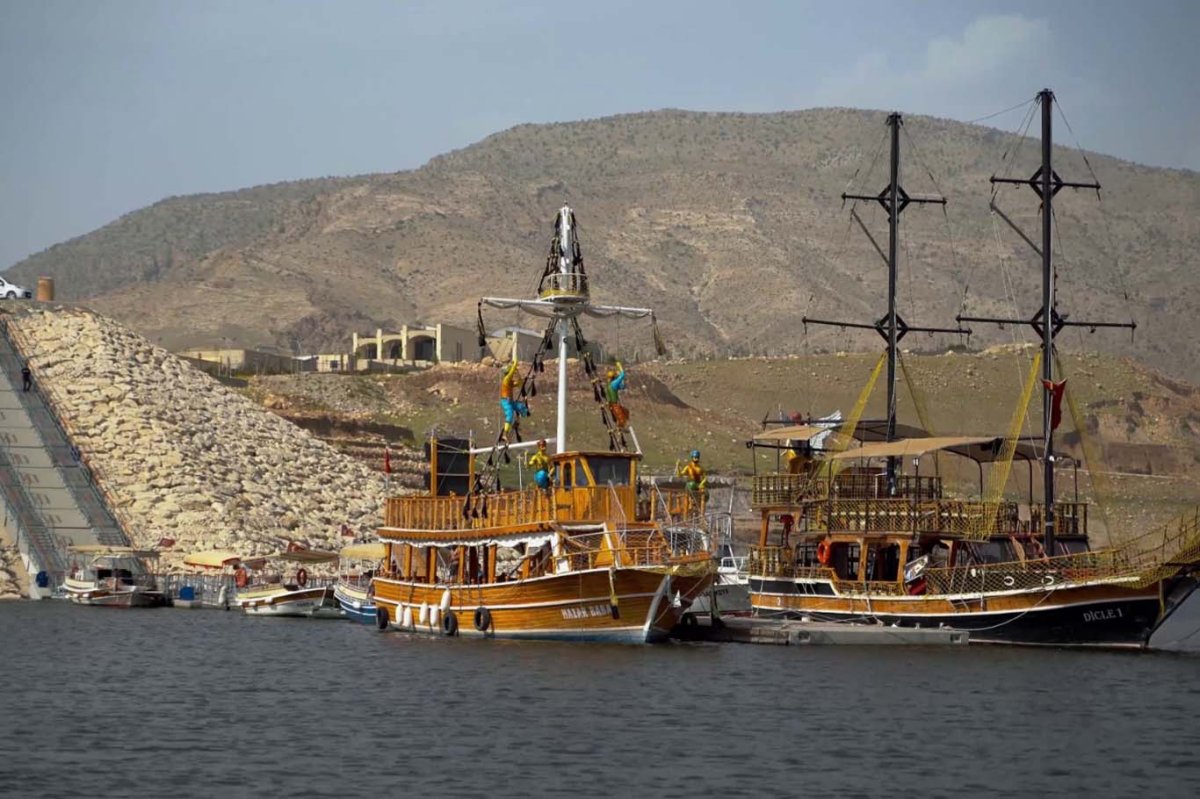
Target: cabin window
566, 472
581, 475
806, 555
883, 562
844, 560
1070, 546
975, 553
610, 470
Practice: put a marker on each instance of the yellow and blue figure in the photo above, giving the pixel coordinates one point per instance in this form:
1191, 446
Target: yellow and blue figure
513, 408
697, 480
612, 394
539, 462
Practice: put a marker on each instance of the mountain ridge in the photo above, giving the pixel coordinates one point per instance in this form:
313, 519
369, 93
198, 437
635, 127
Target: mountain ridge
684, 211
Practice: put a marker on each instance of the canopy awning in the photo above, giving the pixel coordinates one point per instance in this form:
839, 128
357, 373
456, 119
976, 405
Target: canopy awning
372, 551
304, 556
982, 449
214, 559
800, 432
910, 447
111, 551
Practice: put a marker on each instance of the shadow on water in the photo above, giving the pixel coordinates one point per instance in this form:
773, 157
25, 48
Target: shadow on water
167, 702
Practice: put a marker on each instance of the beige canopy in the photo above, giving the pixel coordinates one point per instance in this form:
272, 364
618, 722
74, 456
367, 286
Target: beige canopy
304, 556
801, 432
111, 551
372, 551
983, 449
214, 559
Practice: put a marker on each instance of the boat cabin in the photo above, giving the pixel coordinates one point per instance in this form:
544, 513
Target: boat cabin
842, 510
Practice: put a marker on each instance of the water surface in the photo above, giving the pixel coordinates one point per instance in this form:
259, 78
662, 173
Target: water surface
205, 703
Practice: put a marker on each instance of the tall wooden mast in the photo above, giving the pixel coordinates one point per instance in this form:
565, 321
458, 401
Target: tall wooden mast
1047, 322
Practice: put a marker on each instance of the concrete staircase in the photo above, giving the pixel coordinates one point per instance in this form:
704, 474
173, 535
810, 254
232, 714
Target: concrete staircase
50, 501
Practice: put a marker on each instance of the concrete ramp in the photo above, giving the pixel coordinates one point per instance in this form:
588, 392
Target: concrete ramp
50, 502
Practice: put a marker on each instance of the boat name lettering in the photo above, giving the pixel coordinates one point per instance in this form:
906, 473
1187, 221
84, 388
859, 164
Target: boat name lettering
1102, 615
585, 612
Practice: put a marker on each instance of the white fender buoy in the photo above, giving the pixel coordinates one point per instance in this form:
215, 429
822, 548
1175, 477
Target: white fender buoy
423, 615
407, 617
445, 603
435, 616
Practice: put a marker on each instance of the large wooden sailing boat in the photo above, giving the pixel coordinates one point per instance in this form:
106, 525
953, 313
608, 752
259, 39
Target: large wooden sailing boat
594, 555
874, 543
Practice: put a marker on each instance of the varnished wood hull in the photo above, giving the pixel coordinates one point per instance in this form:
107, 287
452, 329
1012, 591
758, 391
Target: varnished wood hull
1095, 615
576, 606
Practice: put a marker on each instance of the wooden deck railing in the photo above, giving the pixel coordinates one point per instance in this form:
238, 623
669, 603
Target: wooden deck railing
951, 517
789, 489
511, 508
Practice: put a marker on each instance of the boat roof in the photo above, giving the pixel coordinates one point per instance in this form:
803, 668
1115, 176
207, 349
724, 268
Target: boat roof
303, 556
373, 551
213, 559
104, 550
981, 449
866, 430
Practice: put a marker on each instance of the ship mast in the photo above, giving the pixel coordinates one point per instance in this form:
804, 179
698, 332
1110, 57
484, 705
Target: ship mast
891, 326
1047, 322
563, 296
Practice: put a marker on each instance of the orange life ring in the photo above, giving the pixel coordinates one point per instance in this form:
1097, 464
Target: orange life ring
240, 578
302, 577
823, 553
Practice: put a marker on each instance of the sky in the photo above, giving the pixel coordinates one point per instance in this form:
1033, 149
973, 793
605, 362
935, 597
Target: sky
110, 106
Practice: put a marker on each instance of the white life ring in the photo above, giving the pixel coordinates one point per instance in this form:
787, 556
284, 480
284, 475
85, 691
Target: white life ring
1009, 581
1048, 579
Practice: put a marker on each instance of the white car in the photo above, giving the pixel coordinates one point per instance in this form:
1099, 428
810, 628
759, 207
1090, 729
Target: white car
11, 291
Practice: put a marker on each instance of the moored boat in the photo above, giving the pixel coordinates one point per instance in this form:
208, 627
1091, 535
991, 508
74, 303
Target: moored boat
583, 553
357, 564
114, 577
262, 591
848, 535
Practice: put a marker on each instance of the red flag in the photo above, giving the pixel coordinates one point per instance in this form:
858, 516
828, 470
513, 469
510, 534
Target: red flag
166, 543
387, 459
1056, 393
346, 531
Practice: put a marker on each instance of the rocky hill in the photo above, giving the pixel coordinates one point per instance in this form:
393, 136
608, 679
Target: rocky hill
729, 224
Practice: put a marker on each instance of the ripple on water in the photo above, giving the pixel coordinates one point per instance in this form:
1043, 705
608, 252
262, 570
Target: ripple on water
167, 703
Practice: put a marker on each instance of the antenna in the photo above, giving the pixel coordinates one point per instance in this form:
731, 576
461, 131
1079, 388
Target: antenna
1047, 322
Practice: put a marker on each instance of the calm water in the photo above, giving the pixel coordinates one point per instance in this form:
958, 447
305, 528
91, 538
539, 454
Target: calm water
205, 703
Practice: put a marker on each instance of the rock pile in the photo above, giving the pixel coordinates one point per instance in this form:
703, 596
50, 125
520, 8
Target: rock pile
10, 569
183, 457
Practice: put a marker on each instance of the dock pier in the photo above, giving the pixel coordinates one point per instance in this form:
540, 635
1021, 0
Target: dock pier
795, 632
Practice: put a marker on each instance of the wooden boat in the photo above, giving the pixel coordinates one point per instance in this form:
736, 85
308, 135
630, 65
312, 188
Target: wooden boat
261, 592
114, 577
847, 535
593, 556
357, 566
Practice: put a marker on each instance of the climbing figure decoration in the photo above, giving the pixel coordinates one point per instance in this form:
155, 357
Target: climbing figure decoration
697, 479
513, 407
539, 463
612, 394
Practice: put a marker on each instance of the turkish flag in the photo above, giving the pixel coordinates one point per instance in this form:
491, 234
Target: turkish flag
166, 543
387, 459
1056, 394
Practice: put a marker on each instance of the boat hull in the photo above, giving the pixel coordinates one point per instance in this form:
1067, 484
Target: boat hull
576, 606
313, 603
355, 603
96, 595
1095, 615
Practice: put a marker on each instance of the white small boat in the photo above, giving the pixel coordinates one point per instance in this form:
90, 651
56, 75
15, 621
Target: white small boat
114, 577
266, 594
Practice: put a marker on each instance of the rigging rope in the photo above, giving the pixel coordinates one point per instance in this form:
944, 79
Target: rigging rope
845, 433
983, 526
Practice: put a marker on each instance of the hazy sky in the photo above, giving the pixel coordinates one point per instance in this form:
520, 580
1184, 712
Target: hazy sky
110, 106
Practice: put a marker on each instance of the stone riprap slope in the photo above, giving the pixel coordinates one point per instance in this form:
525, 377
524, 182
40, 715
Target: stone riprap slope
10, 571
183, 457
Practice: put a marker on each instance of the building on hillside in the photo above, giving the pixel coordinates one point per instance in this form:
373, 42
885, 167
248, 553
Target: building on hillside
500, 342
415, 345
326, 362
243, 361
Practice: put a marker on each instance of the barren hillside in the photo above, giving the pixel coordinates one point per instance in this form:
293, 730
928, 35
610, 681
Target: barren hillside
730, 224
